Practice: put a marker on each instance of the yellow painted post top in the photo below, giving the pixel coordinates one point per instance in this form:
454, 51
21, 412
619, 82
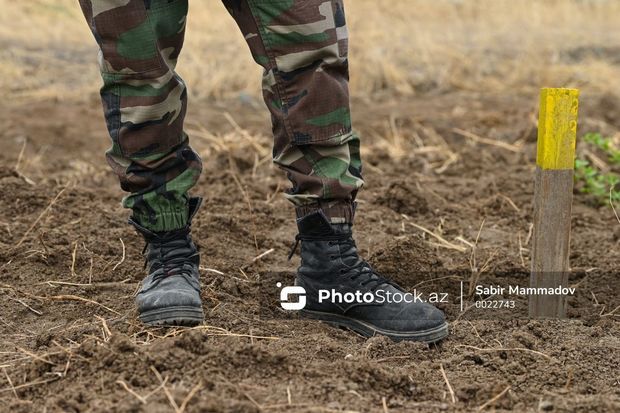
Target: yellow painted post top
557, 128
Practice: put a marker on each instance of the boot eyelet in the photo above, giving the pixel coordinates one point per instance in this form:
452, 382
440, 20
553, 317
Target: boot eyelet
332, 257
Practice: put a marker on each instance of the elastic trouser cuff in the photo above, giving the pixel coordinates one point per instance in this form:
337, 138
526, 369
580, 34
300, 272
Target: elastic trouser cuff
338, 212
162, 220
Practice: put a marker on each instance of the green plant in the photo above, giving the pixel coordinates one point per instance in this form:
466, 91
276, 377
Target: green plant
590, 178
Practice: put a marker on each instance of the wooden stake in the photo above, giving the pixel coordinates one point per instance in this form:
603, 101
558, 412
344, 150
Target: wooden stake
553, 188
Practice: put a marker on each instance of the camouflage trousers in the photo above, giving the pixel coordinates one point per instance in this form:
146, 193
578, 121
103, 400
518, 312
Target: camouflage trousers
302, 46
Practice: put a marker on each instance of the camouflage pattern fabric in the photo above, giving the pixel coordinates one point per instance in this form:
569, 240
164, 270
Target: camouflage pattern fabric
302, 46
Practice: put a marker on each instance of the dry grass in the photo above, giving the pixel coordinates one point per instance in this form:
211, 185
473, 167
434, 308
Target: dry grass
402, 47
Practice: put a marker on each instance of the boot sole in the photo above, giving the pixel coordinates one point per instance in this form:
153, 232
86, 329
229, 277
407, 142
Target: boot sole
173, 316
367, 330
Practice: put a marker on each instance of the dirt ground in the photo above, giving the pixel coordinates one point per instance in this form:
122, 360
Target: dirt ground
458, 164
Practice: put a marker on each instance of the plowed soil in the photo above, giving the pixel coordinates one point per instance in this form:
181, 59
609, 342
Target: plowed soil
459, 165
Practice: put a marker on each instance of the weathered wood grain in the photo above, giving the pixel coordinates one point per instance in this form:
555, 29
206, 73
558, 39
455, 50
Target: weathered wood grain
553, 196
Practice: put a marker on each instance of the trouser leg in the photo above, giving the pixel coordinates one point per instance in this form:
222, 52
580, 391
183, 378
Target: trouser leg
302, 45
144, 103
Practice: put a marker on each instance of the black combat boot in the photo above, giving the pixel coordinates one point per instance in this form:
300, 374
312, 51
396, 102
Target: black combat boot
170, 294
330, 263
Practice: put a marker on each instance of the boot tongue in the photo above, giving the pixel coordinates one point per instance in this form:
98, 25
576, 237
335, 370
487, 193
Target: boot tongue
342, 229
348, 250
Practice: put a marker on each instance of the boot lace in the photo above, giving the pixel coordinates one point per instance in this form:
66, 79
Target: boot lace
361, 270
170, 255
